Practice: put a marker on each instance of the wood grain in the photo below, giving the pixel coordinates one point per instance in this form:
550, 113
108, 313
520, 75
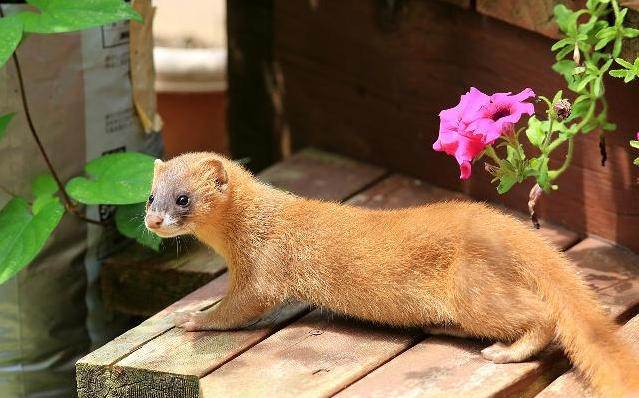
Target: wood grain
374, 95
454, 367
94, 372
140, 282
535, 15
316, 356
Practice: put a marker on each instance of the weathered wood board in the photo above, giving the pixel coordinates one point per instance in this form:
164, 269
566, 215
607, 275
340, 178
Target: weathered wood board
454, 367
535, 15
139, 282
315, 356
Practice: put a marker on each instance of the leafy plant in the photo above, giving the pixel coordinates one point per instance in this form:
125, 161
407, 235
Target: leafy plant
123, 179
592, 45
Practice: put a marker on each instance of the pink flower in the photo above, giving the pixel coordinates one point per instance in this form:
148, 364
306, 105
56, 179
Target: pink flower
502, 112
477, 121
637, 135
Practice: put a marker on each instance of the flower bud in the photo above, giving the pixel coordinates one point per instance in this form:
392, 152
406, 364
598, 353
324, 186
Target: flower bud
576, 55
562, 109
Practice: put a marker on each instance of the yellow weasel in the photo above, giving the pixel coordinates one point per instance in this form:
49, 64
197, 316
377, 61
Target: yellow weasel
459, 268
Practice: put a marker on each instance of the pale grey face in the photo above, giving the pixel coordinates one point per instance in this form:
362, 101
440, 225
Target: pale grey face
169, 205
185, 191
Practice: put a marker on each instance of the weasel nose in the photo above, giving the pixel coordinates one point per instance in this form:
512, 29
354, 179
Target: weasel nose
154, 221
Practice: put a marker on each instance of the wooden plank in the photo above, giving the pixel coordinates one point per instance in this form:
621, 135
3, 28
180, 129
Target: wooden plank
401, 191
139, 282
321, 175
316, 356
94, 372
454, 367
466, 4
102, 371
630, 49
572, 385
387, 114
535, 15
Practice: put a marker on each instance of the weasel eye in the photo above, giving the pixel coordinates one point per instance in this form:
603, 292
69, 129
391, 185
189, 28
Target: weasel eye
182, 200
151, 197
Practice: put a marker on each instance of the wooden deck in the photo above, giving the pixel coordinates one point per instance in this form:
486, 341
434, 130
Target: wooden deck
301, 351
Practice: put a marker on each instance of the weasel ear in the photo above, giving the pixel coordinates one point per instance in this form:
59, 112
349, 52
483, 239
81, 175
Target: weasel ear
217, 172
157, 165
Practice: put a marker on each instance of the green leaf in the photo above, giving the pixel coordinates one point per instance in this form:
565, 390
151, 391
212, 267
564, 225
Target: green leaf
505, 183
10, 36
563, 16
636, 162
582, 84
542, 174
4, 122
22, 234
578, 70
634, 144
69, 15
563, 52
597, 88
564, 67
41, 202
623, 63
534, 132
119, 179
129, 219
629, 77
630, 32
561, 43
618, 72
44, 184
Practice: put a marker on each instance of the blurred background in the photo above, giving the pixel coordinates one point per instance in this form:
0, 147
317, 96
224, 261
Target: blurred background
191, 84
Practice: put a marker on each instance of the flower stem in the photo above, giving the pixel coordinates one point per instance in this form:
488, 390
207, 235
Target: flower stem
556, 173
69, 204
490, 151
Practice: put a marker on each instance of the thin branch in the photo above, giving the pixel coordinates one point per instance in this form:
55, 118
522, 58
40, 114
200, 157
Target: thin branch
69, 204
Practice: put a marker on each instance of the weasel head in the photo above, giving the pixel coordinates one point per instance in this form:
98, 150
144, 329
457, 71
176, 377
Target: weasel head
186, 191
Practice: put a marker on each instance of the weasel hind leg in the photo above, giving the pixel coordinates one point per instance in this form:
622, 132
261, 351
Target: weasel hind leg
529, 344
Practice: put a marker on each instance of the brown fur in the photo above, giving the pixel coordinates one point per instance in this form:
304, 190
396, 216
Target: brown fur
458, 268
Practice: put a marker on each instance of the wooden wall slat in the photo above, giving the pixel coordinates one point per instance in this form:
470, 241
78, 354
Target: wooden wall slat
387, 114
534, 15
455, 366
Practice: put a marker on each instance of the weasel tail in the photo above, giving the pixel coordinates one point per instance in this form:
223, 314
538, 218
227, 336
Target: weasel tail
589, 338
